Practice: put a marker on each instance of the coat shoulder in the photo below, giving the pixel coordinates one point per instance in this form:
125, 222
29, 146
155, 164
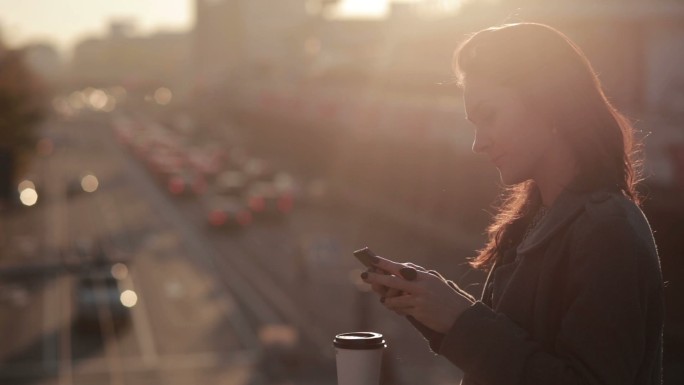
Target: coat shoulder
614, 217
614, 209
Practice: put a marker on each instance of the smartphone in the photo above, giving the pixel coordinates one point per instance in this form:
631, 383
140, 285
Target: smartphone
365, 256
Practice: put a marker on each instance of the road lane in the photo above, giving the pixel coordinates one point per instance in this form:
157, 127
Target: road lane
193, 315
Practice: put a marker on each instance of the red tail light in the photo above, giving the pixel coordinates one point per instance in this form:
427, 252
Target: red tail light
176, 186
217, 218
285, 203
257, 204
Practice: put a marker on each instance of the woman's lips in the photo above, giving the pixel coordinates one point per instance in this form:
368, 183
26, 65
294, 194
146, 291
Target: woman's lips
497, 160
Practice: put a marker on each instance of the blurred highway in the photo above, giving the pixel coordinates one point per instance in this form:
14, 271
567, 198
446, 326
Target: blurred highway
171, 333
256, 306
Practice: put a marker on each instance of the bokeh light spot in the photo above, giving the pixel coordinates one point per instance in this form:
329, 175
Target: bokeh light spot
28, 197
163, 96
89, 183
129, 298
98, 99
119, 271
26, 184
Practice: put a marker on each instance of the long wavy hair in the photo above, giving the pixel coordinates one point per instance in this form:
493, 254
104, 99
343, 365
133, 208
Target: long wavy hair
554, 77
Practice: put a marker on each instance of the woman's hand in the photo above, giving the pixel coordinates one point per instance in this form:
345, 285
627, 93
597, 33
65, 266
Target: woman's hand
427, 298
389, 268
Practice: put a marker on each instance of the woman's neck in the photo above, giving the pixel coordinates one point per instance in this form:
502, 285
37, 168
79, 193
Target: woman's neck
554, 175
550, 191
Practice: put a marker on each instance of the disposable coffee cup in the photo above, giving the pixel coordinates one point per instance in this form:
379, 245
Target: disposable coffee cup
358, 356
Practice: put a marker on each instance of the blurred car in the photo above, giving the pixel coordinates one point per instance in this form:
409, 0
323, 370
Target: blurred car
161, 161
236, 157
224, 203
265, 201
230, 183
207, 160
185, 183
154, 137
205, 165
98, 298
286, 184
224, 212
258, 170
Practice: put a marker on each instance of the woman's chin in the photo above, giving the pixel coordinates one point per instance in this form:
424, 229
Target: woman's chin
510, 179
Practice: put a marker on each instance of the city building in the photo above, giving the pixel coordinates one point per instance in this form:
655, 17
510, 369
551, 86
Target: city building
248, 38
45, 61
126, 59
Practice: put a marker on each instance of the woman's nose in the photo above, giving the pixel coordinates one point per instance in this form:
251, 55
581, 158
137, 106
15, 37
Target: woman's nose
481, 143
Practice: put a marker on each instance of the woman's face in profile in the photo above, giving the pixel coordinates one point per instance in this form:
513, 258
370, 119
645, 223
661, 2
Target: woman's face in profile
514, 138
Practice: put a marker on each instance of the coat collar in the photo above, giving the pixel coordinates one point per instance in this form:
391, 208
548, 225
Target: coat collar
567, 206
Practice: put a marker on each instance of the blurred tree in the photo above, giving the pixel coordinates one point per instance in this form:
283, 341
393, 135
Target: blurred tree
22, 107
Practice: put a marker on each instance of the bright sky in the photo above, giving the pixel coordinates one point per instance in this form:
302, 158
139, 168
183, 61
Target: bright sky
363, 8
64, 22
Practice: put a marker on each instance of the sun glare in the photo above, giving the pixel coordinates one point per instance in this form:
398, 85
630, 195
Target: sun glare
381, 8
362, 8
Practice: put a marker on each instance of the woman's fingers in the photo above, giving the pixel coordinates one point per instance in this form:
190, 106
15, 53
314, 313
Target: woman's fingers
403, 303
379, 289
408, 273
392, 293
426, 296
394, 268
382, 290
388, 265
387, 268
413, 265
390, 281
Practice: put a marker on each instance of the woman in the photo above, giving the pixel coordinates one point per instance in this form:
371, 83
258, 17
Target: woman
574, 291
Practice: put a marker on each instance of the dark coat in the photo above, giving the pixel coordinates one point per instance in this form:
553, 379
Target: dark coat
580, 301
